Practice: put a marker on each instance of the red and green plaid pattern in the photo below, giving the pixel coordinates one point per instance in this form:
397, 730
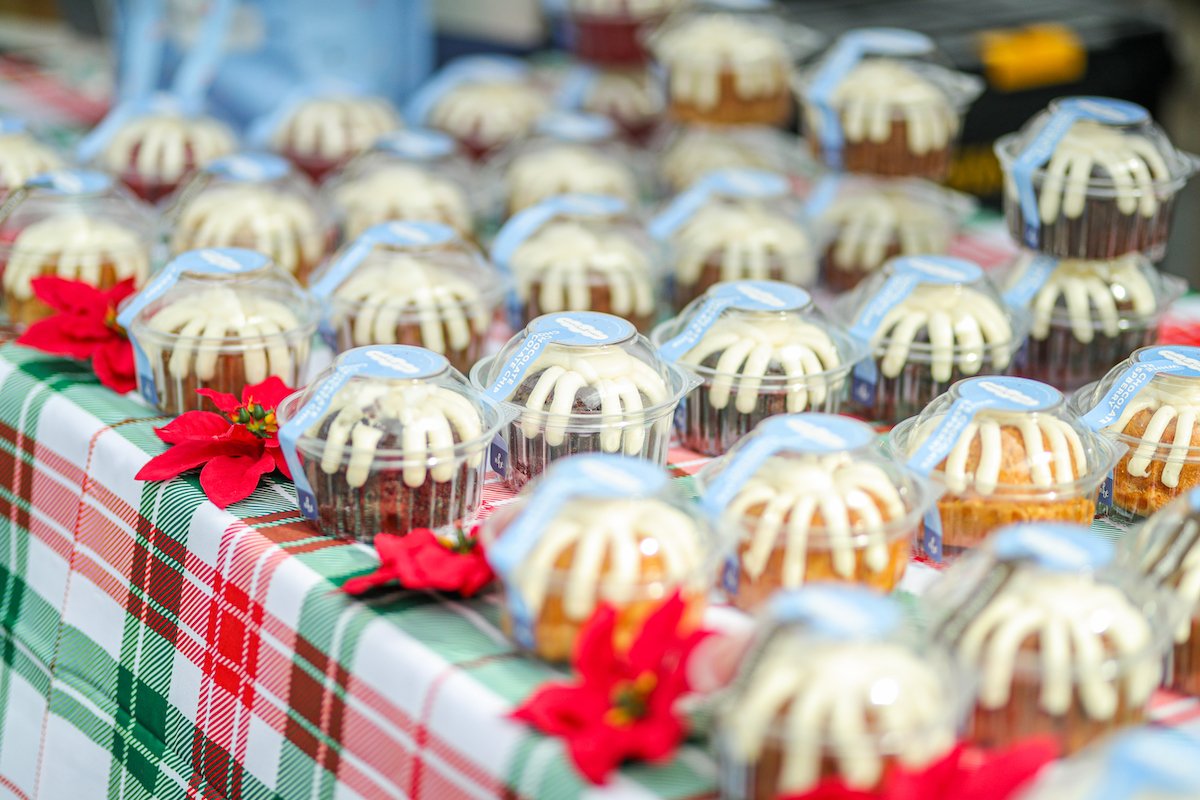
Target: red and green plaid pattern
155, 646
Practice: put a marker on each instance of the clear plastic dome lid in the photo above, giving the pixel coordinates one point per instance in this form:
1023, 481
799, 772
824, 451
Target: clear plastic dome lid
331, 125
837, 677
688, 153
400, 407
1087, 630
410, 273
1139, 764
77, 221
1004, 436
769, 192
1167, 551
730, 35
226, 297
1090, 297
756, 334
621, 526
853, 488
934, 310
870, 77
631, 9
866, 216
1081, 148
21, 155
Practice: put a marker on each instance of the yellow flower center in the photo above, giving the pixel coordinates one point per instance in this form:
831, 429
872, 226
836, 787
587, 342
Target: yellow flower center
631, 699
110, 321
256, 419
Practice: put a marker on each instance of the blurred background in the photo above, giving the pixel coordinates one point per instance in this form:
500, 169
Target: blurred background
58, 58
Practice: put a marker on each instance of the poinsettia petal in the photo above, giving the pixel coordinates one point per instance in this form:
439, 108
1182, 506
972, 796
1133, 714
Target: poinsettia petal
67, 295
192, 426
597, 752
655, 738
228, 479
180, 458
280, 461
113, 363
660, 633
561, 709
54, 336
1002, 774
116, 294
268, 393
594, 656
222, 400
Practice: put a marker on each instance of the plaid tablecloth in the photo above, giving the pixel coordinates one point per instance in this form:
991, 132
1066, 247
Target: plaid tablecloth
155, 646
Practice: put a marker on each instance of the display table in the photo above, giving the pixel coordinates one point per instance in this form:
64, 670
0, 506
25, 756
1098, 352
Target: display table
156, 646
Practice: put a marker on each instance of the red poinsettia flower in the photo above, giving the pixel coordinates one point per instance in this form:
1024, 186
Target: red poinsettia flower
235, 447
421, 560
85, 327
623, 705
964, 772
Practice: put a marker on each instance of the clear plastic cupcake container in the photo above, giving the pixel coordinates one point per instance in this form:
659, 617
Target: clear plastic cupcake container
1166, 550
74, 224
410, 175
611, 33
836, 685
885, 101
1087, 315
598, 529
21, 155
863, 222
410, 283
735, 224
256, 201
386, 440
689, 152
1149, 405
1005, 450
581, 382
1141, 764
1091, 178
322, 132
730, 63
631, 97
759, 348
220, 319
569, 153
928, 322
580, 253
813, 498
1066, 644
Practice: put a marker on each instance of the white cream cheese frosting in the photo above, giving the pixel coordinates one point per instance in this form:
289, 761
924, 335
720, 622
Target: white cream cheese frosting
748, 241
1167, 403
858, 704
695, 153
76, 247
637, 9
868, 225
22, 157
402, 192
205, 320
567, 169
1080, 627
427, 416
618, 379
750, 345
335, 127
878, 91
162, 147
490, 113
1053, 450
260, 218
400, 290
963, 325
700, 51
624, 97
609, 540
792, 491
1090, 290
567, 258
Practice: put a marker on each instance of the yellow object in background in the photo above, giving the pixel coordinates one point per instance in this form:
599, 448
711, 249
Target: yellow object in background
1025, 58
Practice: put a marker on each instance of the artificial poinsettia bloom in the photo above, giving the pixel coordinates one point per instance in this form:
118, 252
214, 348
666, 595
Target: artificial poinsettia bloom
85, 327
422, 560
623, 705
235, 448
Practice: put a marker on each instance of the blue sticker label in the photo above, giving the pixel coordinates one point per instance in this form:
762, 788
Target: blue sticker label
416, 144
837, 610
906, 274
570, 328
1148, 362
931, 535
71, 182
210, 261
849, 50
732, 183
249, 167
584, 476
470, 69
731, 576
1064, 114
395, 235
1029, 282
385, 362
822, 194
864, 381
740, 295
973, 395
1054, 546
526, 223
569, 126
498, 456
1149, 762
10, 126
808, 433
1105, 495
576, 85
